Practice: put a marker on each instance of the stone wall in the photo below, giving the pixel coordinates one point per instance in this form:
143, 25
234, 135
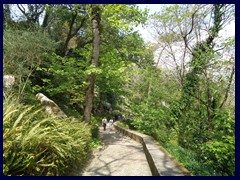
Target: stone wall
160, 161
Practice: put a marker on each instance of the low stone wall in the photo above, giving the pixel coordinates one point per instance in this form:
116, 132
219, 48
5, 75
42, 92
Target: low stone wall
160, 161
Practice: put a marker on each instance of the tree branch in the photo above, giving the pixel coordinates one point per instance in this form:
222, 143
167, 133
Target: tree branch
22, 9
78, 28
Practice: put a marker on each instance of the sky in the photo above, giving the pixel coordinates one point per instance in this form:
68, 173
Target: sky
228, 31
145, 31
152, 7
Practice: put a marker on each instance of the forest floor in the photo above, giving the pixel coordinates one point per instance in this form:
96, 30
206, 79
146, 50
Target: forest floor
118, 156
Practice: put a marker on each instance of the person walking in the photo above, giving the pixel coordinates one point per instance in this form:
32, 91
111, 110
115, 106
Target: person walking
111, 124
104, 123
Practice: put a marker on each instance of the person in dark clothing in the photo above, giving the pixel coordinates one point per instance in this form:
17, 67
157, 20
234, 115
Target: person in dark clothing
104, 123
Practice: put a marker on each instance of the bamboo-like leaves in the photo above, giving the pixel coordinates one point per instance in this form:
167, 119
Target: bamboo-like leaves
39, 145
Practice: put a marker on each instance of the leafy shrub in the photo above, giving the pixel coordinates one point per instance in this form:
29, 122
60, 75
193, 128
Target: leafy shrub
162, 136
38, 145
122, 124
220, 150
189, 159
129, 124
215, 156
220, 155
153, 122
94, 127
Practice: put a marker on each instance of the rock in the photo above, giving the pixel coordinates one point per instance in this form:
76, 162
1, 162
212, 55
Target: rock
8, 81
50, 106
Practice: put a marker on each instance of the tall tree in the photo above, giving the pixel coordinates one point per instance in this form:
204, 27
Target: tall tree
202, 57
95, 19
187, 38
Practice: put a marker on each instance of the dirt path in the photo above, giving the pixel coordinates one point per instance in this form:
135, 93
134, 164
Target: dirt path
119, 156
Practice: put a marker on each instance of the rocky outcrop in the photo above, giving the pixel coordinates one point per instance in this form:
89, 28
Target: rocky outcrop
50, 106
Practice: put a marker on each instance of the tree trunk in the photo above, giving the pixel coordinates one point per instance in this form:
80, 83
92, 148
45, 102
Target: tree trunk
95, 58
228, 87
46, 17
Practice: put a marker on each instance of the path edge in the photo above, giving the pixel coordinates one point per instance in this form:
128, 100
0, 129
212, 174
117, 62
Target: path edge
142, 138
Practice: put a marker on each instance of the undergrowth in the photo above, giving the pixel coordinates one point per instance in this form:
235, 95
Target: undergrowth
35, 144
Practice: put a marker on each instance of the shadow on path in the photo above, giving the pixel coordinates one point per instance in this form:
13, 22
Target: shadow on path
119, 156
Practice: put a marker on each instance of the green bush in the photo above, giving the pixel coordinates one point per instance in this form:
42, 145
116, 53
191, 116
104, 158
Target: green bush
94, 128
219, 151
96, 141
38, 145
220, 155
189, 159
122, 124
130, 125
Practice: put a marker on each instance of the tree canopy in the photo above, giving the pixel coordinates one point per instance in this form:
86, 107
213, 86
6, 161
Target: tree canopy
91, 60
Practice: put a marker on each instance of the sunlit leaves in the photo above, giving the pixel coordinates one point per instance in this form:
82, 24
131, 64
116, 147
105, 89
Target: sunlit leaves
92, 70
38, 145
123, 16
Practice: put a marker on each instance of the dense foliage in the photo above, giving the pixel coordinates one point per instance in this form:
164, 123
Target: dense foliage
48, 48
191, 106
89, 58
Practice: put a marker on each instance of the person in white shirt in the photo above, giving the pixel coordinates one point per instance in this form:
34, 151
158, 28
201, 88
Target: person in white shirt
110, 124
104, 123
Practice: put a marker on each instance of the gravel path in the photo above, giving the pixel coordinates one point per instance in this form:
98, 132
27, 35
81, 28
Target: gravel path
119, 156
